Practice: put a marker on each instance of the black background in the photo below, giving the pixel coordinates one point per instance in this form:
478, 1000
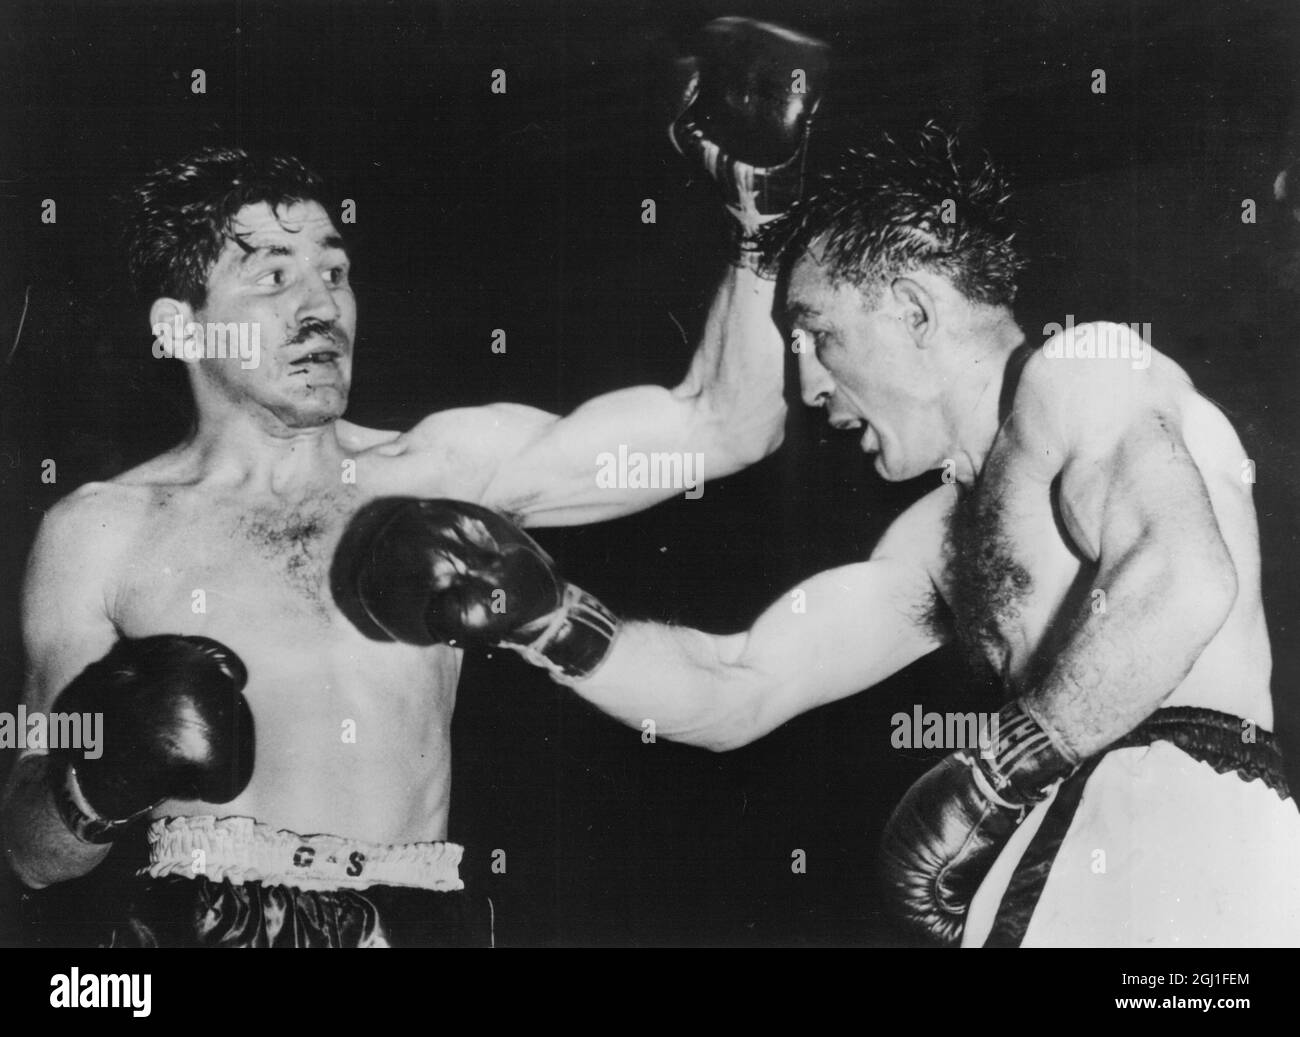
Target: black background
523, 212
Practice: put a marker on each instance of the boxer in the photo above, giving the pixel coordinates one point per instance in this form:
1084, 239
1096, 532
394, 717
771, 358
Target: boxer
296, 776
1093, 542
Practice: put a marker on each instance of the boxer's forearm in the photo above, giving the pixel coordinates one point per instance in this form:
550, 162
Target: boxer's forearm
39, 847
626, 450
837, 633
1133, 646
736, 376
678, 679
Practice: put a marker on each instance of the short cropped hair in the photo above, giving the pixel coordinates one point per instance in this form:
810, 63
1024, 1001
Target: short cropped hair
177, 219
919, 204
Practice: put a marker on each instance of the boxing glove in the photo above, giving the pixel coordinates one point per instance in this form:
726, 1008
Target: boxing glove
449, 572
175, 726
746, 112
950, 826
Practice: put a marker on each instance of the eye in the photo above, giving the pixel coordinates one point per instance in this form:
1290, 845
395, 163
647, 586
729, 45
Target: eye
804, 339
275, 278
337, 276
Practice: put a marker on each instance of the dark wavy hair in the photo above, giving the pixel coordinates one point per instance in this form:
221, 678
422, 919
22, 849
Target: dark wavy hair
920, 204
177, 219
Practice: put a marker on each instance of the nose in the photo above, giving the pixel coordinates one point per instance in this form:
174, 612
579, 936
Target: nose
815, 382
318, 301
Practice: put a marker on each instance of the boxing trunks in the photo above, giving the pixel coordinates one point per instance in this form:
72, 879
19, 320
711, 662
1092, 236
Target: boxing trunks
234, 882
1180, 834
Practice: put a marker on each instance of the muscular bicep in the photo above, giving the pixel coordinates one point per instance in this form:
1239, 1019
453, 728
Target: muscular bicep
1135, 503
1140, 491
1112, 431
614, 455
837, 633
65, 611
66, 626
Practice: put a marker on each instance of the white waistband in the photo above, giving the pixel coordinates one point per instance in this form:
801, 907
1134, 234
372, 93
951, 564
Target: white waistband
240, 849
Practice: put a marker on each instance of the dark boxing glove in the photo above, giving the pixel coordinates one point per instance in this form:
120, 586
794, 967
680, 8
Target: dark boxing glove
449, 572
175, 726
950, 826
746, 113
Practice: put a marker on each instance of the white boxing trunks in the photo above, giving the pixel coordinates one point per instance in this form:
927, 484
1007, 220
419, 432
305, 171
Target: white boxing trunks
1181, 835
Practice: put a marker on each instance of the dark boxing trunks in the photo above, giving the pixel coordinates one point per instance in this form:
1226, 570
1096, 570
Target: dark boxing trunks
234, 882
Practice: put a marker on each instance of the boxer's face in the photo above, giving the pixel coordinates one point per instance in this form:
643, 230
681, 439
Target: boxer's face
861, 362
285, 273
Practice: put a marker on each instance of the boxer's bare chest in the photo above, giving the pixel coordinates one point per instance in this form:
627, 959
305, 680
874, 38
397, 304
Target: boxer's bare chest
353, 734
1013, 580
205, 554
254, 572
207, 550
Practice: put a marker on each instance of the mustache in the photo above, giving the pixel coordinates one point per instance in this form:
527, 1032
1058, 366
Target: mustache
317, 329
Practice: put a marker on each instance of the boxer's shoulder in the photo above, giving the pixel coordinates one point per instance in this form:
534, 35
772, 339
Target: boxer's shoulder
1088, 384
106, 519
96, 513
493, 429
152, 483
358, 439
73, 573
82, 548
460, 450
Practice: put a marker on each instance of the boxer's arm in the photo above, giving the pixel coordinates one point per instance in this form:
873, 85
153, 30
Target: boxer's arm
66, 626
727, 413
840, 632
1135, 503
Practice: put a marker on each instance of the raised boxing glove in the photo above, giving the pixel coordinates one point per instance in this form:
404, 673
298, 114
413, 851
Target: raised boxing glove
746, 112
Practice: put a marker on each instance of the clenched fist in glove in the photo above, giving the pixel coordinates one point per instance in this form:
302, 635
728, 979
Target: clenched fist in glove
176, 726
950, 826
746, 112
428, 572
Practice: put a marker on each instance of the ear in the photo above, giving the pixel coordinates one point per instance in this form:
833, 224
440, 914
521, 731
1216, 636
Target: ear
169, 319
915, 307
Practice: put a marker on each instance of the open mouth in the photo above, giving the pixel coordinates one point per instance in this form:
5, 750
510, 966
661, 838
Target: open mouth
870, 438
319, 356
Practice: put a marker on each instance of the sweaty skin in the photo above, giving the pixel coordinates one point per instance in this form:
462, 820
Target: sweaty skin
1096, 544
231, 534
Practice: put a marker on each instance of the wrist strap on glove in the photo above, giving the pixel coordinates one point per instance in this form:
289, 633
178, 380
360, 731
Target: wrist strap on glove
572, 641
1026, 760
753, 196
82, 819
